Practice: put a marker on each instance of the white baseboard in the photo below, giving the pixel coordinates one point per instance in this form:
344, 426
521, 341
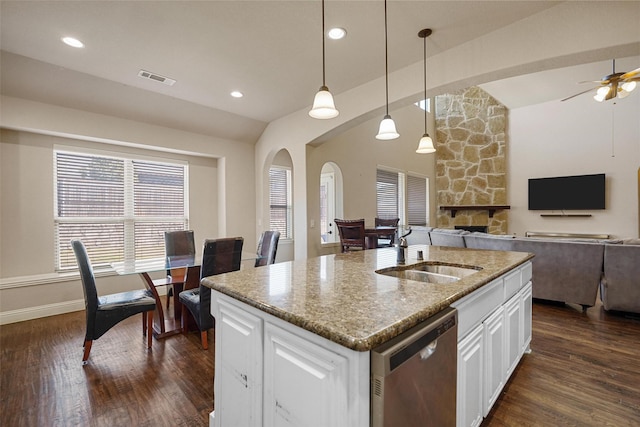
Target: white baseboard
41, 311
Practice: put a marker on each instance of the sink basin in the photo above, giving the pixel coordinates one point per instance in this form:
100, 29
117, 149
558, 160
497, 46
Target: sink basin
429, 273
448, 270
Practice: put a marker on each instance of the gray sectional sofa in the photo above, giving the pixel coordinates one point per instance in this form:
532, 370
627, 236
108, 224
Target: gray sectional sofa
564, 270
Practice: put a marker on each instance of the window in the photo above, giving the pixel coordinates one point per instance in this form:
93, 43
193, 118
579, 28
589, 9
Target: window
280, 201
391, 187
390, 194
118, 207
416, 200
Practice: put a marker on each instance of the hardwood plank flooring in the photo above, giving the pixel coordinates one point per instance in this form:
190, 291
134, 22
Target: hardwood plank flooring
584, 370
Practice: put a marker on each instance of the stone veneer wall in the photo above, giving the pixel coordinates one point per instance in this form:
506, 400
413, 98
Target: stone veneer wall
471, 158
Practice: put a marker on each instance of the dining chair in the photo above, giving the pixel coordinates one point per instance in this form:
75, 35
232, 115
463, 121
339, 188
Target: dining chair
351, 233
389, 239
267, 248
218, 256
104, 312
176, 243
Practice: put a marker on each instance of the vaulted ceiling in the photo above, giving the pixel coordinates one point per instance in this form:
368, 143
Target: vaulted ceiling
269, 50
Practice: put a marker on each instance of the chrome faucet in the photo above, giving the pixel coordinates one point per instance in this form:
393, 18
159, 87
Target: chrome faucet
402, 247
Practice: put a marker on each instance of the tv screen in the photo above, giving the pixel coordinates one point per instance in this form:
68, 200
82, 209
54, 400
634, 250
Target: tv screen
582, 192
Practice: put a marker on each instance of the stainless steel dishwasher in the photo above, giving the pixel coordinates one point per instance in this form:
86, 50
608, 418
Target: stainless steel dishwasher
413, 376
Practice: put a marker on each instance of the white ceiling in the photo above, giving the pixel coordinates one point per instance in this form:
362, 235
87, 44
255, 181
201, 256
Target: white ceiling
269, 50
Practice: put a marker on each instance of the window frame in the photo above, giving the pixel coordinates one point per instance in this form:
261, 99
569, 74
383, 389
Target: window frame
404, 201
132, 223
286, 233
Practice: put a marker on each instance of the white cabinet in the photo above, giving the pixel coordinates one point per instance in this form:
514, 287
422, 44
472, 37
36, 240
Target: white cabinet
514, 330
272, 373
238, 379
302, 383
494, 331
470, 377
494, 345
527, 299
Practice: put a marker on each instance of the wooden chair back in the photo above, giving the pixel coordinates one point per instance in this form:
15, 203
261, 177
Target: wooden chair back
351, 233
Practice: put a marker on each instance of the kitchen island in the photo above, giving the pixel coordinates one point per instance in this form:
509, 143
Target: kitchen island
293, 339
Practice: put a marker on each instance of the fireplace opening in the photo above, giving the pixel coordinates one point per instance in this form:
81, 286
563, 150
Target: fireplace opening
473, 228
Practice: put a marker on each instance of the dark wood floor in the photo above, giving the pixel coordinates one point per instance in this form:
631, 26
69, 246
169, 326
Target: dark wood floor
584, 370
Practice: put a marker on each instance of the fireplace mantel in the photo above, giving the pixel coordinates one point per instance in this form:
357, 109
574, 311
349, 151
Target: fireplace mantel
490, 208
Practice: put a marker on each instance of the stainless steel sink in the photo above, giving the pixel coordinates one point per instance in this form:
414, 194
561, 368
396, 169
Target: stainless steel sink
429, 273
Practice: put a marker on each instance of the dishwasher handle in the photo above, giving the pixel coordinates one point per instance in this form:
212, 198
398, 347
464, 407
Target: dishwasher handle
428, 351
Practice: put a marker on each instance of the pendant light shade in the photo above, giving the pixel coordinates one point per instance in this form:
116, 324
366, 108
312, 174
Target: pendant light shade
425, 146
323, 105
387, 129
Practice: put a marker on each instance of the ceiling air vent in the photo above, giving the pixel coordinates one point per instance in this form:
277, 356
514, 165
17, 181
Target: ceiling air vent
156, 77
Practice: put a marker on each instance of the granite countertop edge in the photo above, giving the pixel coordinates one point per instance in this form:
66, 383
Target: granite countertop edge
375, 338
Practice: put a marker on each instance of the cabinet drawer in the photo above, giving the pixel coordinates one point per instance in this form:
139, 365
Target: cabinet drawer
475, 307
512, 283
527, 272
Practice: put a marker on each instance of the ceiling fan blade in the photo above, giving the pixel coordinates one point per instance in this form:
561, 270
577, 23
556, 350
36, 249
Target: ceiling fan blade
579, 93
630, 74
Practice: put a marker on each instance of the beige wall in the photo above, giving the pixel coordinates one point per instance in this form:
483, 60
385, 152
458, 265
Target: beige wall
221, 186
358, 154
579, 136
527, 46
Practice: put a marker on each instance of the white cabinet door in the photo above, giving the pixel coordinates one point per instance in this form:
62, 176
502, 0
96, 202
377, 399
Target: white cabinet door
494, 362
513, 327
526, 318
238, 379
304, 384
470, 372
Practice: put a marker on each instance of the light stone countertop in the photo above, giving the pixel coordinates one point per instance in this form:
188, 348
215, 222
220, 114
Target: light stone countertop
341, 297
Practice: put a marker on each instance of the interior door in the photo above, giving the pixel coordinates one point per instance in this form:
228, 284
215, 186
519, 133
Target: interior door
328, 229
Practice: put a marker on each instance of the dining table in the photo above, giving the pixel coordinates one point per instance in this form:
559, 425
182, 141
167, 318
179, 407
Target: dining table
372, 234
168, 323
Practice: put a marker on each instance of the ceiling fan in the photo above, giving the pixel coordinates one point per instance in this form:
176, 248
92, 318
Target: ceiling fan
612, 86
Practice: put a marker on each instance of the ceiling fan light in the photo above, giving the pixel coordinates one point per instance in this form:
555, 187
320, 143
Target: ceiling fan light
622, 93
628, 86
603, 91
426, 145
599, 97
323, 105
387, 129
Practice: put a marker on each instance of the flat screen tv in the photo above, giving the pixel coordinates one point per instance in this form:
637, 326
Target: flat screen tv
581, 192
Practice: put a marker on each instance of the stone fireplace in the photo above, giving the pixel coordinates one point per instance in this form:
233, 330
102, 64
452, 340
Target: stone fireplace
471, 159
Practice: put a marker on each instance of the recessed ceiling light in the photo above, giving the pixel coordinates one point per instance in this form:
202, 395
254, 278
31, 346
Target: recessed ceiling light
73, 42
337, 33
237, 94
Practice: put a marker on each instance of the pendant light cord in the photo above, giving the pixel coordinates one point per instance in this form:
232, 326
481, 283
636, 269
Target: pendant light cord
386, 60
323, 59
425, 84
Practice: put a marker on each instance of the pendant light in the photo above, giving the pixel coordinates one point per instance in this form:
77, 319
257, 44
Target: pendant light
323, 106
426, 143
387, 128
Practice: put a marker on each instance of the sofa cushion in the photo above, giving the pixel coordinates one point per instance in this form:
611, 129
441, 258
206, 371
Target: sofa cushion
448, 237
620, 288
564, 271
496, 242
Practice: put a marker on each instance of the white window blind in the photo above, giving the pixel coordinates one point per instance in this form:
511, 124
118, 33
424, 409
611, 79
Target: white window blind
280, 201
387, 194
120, 208
416, 200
